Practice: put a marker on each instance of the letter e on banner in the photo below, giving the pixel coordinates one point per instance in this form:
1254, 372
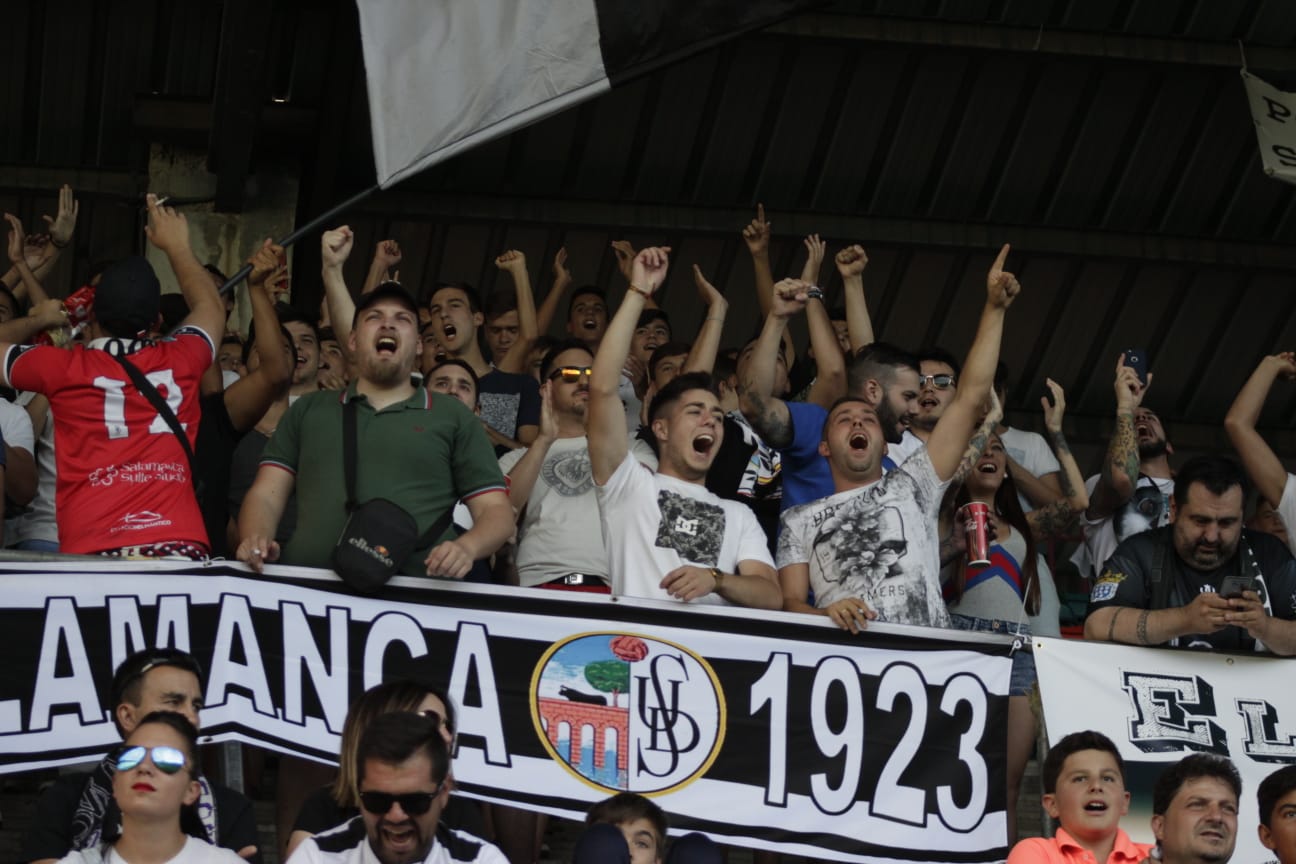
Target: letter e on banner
1165, 707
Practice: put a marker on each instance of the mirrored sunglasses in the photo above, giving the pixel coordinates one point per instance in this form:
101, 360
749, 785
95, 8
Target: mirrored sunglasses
940, 382
168, 760
570, 374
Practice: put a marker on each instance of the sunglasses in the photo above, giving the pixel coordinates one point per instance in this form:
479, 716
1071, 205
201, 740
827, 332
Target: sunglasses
940, 382
168, 760
412, 803
570, 374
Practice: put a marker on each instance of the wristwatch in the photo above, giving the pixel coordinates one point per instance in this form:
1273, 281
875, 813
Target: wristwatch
718, 576
815, 293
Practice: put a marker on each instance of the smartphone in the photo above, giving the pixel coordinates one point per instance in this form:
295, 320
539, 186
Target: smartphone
1235, 584
1136, 359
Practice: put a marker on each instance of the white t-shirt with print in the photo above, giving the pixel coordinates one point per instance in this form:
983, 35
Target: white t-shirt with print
659, 523
878, 542
1148, 508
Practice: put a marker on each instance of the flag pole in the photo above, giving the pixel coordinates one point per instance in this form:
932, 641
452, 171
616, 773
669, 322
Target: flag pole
292, 237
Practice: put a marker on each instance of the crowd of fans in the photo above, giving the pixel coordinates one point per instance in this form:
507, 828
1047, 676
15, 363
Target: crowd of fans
721, 473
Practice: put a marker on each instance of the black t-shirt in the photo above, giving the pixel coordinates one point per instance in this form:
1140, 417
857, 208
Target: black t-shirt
1126, 581
242, 474
213, 450
508, 400
747, 471
50, 834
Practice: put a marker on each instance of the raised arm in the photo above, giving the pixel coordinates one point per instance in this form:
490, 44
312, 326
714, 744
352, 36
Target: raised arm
513, 263
28, 282
757, 236
335, 248
1120, 467
248, 398
522, 476
606, 423
42, 251
950, 437
168, 230
1057, 518
830, 365
562, 279
851, 262
976, 446
1259, 460
706, 346
767, 413
387, 255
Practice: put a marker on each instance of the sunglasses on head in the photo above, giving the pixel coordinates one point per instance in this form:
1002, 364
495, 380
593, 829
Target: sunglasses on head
412, 803
168, 760
570, 374
940, 382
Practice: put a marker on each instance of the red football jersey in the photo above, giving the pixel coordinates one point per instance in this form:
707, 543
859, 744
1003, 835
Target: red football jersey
123, 477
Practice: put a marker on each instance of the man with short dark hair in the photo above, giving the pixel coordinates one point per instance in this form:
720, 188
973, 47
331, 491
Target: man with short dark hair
77, 811
674, 538
1277, 799
1203, 581
402, 769
1194, 810
420, 450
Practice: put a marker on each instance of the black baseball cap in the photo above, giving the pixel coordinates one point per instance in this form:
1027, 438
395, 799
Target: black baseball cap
386, 291
129, 293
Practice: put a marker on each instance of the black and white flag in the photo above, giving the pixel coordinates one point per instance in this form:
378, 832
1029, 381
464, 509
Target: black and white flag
446, 76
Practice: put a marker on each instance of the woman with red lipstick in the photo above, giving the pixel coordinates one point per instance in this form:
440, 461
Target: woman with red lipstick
999, 597
154, 780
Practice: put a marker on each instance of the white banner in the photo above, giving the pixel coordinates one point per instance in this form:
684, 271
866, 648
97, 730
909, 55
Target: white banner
1161, 704
775, 731
1274, 113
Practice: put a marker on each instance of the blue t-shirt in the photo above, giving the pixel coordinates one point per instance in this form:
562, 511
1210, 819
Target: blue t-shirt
806, 476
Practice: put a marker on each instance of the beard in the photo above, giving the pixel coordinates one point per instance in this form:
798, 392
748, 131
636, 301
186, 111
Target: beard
892, 430
1153, 449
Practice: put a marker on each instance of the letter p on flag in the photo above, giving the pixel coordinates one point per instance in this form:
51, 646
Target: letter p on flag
1274, 113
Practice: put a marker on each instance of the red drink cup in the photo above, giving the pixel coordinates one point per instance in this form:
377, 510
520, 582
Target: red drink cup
975, 515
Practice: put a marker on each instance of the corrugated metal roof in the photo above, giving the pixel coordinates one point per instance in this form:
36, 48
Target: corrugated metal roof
1108, 139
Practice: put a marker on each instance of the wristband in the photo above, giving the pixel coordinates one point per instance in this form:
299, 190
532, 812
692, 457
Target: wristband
815, 293
641, 292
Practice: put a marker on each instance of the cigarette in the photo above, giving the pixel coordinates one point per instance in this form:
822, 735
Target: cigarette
163, 200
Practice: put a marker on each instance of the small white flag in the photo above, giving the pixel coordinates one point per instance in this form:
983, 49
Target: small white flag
1274, 112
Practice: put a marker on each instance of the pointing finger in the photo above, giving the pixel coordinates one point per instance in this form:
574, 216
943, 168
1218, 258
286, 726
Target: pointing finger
1002, 259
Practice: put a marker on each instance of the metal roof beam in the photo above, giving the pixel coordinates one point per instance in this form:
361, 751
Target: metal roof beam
898, 232
998, 37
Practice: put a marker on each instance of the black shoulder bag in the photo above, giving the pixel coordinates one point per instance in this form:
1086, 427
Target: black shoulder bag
149, 392
379, 534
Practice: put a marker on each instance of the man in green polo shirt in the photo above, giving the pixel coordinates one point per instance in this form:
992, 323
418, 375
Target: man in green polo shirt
421, 450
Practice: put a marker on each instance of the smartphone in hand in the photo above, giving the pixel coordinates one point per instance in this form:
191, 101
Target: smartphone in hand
1136, 359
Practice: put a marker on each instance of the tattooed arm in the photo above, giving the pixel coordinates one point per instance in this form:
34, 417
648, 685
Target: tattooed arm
979, 438
1120, 467
1058, 518
767, 413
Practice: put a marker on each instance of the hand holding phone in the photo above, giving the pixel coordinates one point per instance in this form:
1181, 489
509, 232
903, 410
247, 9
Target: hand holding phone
1136, 359
1235, 584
